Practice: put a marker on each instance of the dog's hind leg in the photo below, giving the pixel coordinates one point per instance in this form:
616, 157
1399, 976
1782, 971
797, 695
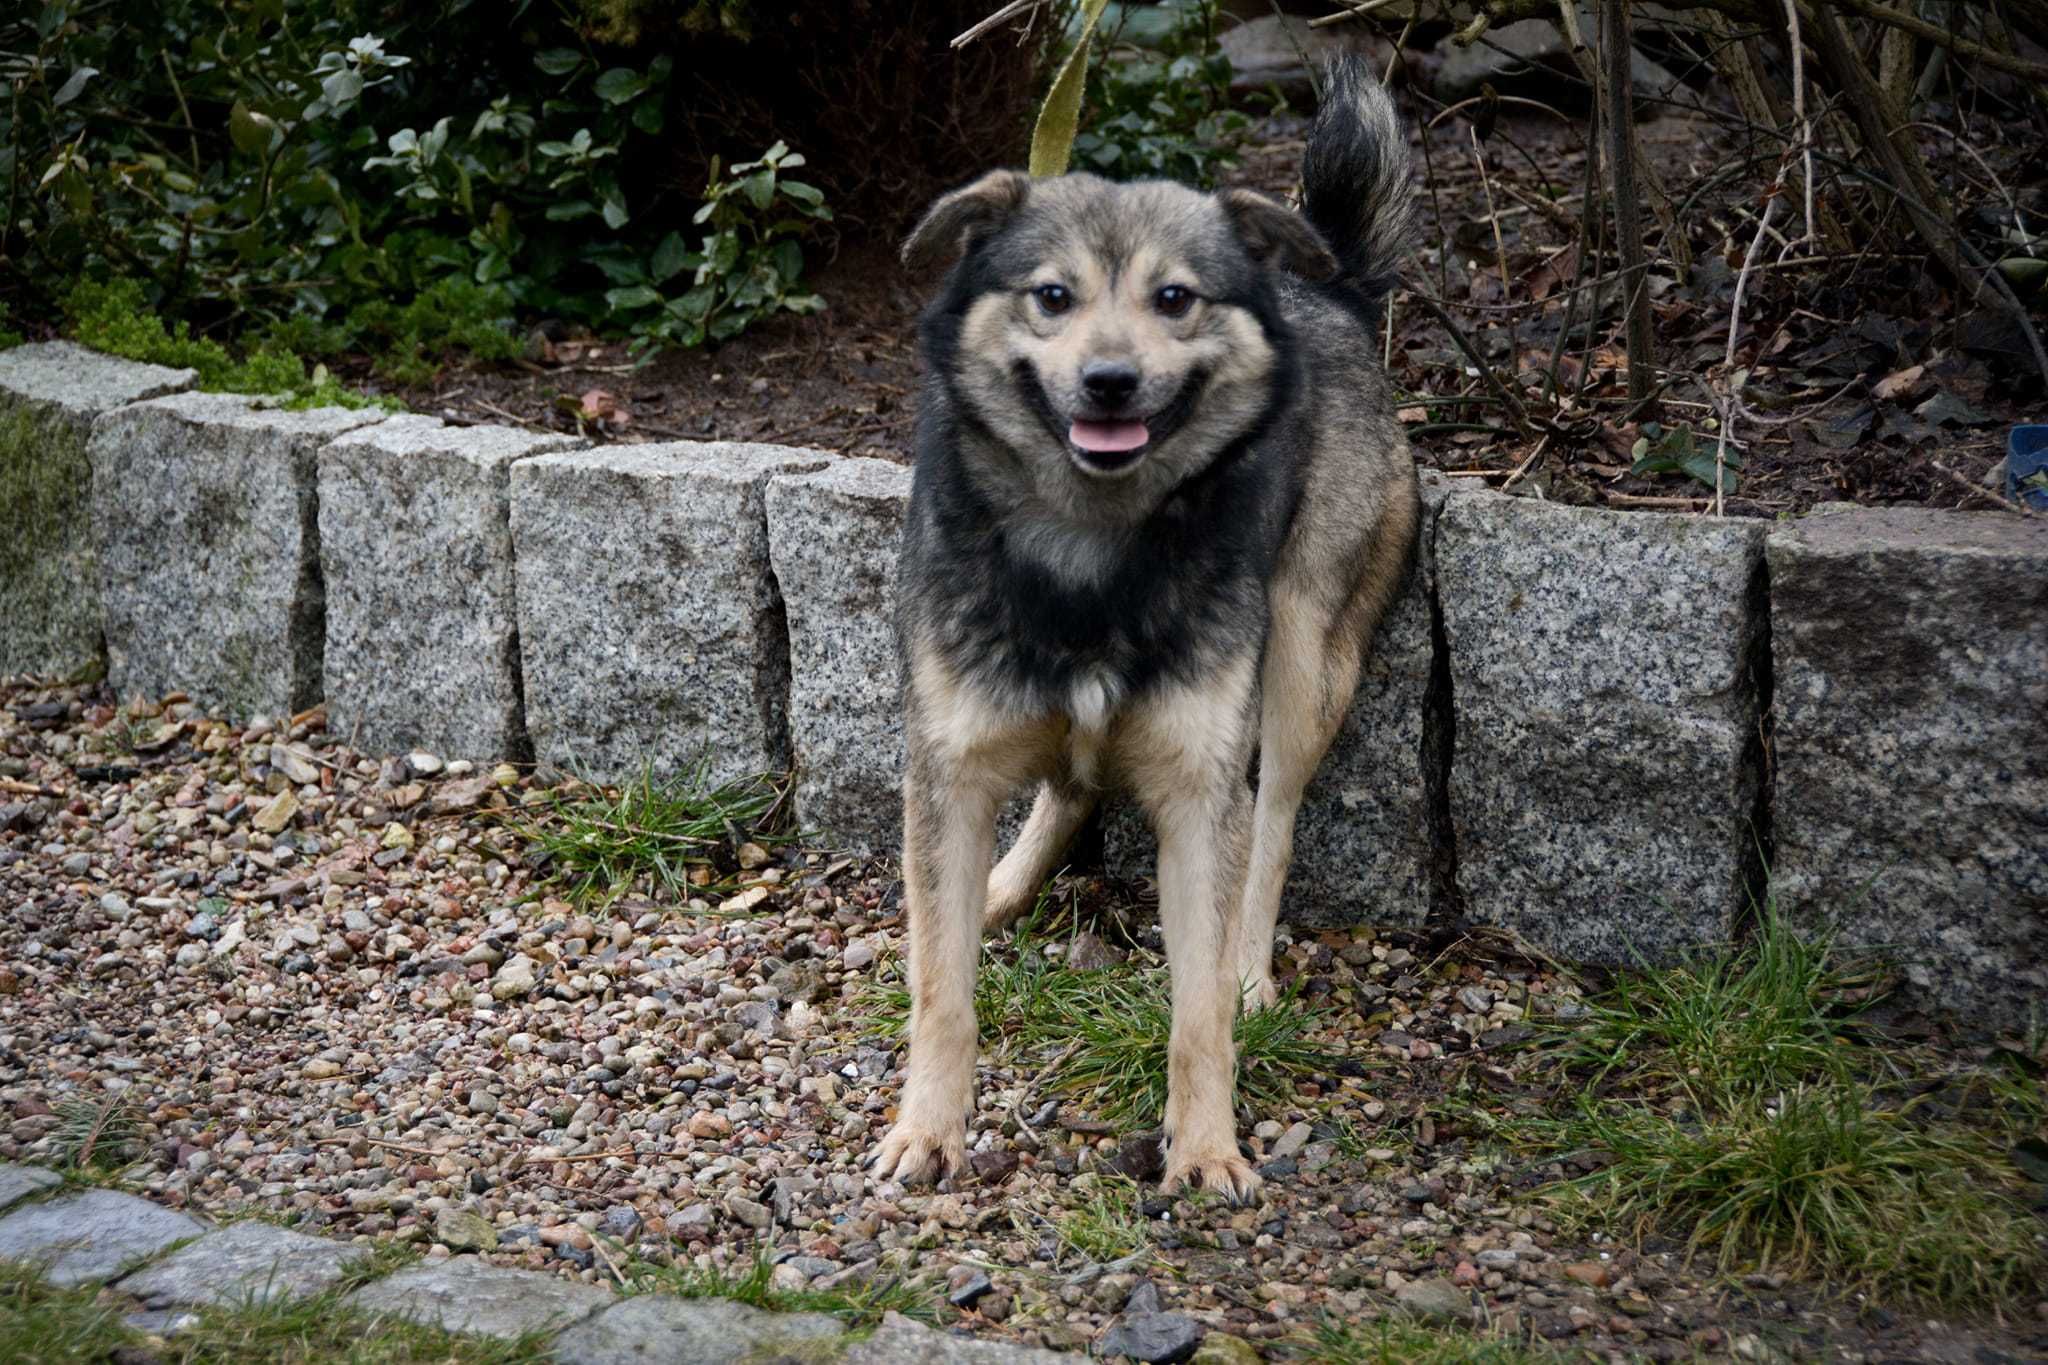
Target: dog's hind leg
1310, 674
1185, 751
1057, 814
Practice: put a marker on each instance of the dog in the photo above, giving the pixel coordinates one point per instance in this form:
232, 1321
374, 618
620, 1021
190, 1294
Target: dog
1159, 504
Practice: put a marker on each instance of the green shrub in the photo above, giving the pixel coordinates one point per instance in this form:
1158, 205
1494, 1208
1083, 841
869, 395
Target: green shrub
1161, 110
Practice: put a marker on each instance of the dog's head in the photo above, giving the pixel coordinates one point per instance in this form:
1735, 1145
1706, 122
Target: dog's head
1115, 336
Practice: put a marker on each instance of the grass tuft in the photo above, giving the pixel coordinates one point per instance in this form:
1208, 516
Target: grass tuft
672, 838
1396, 1341
1104, 1032
101, 1136
858, 1304
1729, 1103
1106, 1224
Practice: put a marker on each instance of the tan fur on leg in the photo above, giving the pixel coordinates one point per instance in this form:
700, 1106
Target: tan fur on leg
965, 755
1057, 814
1185, 752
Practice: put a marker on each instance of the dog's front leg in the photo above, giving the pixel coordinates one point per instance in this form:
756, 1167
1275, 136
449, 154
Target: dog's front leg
1186, 753
948, 842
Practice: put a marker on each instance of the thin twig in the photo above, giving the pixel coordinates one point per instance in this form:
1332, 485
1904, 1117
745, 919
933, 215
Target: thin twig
1007, 12
1354, 9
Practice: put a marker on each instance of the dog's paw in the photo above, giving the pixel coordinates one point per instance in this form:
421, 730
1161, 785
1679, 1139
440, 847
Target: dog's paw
1259, 992
1222, 1172
913, 1154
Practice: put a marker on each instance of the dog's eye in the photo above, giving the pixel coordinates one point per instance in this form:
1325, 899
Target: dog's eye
1174, 300
1053, 298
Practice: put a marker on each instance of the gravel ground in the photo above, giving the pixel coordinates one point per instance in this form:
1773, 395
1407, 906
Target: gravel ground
338, 994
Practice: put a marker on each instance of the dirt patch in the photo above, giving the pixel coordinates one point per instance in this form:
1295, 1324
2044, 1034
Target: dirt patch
1869, 380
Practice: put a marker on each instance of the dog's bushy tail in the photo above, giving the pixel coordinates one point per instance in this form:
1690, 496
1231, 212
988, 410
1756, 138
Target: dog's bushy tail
1358, 186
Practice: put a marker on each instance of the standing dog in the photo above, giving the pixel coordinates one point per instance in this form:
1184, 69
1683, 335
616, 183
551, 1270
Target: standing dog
1159, 506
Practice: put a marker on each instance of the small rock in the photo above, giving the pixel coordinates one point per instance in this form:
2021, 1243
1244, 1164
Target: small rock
1435, 1300
1291, 1141
1152, 1337
423, 763
321, 1069
857, 957
754, 1214
295, 763
1591, 1273
966, 1285
1221, 1348
995, 1166
516, 978
623, 1222
460, 1230
278, 813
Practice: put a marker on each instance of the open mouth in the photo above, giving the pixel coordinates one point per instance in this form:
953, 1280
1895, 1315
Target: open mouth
1114, 445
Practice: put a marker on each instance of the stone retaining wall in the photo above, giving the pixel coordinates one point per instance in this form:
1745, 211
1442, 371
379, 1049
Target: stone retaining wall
1595, 728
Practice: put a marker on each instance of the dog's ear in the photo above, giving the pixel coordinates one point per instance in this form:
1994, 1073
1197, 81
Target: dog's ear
1273, 232
952, 224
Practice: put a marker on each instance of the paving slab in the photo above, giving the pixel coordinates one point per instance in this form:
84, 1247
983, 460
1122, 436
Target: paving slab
245, 1263
422, 643
91, 1236
19, 1182
650, 626
1910, 662
833, 536
465, 1295
209, 549
50, 394
1607, 771
900, 1340
661, 1327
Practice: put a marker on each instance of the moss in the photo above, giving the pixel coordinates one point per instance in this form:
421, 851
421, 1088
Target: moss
114, 316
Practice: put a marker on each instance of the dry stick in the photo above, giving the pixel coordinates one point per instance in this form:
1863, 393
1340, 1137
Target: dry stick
1799, 115
1009, 11
1628, 222
1941, 37
1354, 9
1500, 250
1977, 490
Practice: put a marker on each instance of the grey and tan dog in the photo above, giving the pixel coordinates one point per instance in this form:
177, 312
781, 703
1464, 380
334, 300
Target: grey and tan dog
1159, 506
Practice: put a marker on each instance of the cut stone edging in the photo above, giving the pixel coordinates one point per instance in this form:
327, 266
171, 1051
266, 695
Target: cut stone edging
209, 552
1911, 658
833, 536
422, 635
50, 394
170, 1261
650, 626
1605, 675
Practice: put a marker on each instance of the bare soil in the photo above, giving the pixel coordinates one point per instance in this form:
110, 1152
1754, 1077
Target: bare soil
1870, 379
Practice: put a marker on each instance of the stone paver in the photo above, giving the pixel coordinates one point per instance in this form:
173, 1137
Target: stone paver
50, 394
834, 537
209, 549
899, 1341
19, 1182
650, 627
465, 1295
422, 646
245, 1262
1910, 655
660, 1327
91, 1236
1607, 771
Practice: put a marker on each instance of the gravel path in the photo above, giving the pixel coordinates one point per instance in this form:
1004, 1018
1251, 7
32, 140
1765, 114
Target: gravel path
337, 992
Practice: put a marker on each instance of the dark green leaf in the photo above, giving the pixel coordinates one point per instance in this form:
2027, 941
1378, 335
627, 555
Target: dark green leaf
73, 87
558, 61
615, 215
570, 210
249, 131
760, 189
618, 85
632, 297
671, 256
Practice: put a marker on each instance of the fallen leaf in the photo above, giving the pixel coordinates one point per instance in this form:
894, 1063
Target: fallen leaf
1899, 384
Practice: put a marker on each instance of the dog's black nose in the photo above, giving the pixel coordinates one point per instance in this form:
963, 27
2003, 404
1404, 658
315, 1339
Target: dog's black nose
1109, 384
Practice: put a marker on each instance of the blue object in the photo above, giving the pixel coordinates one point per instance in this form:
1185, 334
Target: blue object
2026, 466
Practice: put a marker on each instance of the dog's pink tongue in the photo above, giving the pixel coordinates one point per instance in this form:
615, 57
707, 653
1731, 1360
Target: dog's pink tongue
1108, 436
